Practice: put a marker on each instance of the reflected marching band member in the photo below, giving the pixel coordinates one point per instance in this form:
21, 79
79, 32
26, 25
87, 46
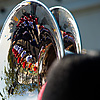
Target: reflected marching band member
36, 41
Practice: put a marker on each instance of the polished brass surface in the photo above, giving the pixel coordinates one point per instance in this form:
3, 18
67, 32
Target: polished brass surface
29, 35
30, 40
69, 29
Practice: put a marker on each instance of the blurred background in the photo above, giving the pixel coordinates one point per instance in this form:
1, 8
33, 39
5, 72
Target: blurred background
86, 13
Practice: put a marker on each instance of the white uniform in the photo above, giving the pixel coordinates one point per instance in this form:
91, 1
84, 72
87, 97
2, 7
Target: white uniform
28, 58
23, 53
20, 50
15, 47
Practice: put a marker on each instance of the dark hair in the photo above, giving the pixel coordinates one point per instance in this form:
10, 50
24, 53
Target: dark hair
75, 77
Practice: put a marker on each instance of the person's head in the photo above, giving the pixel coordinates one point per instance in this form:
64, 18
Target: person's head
75, 77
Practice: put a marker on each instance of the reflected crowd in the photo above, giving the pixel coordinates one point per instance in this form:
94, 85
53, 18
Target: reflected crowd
35, 41
30, 41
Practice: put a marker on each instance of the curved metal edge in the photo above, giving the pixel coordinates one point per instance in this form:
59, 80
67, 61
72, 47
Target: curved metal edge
58, 30
79, 35
26, 2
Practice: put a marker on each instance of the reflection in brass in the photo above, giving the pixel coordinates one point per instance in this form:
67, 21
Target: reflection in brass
30, 41
27, 39
69, 29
